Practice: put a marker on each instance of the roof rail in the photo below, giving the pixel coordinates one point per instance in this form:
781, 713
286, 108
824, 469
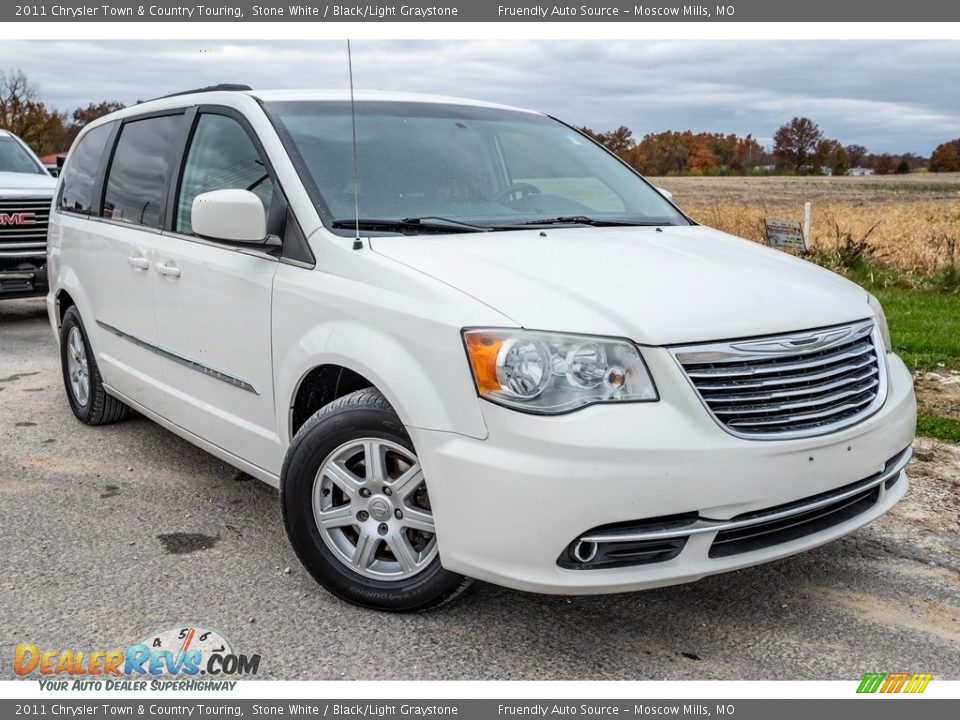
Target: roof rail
221, 87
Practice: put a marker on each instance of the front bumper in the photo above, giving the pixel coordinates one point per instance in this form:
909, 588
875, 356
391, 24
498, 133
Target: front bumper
508, 507
22, 278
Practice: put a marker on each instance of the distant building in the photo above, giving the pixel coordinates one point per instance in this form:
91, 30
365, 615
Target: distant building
860, 171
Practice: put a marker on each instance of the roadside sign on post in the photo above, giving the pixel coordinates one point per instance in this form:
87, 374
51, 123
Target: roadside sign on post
785, 234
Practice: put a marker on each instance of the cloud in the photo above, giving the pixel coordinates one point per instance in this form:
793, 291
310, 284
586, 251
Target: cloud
889, 96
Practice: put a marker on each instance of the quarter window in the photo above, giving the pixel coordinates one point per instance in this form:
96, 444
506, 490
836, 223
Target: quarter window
221, 157
138, 173
80, 174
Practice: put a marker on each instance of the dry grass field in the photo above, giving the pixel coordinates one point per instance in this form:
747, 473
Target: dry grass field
915, 219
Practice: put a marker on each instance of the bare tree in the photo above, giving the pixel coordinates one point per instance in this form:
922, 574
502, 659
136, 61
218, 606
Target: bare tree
22, 114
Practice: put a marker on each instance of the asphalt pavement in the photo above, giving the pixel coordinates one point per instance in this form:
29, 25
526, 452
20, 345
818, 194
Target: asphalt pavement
108, 534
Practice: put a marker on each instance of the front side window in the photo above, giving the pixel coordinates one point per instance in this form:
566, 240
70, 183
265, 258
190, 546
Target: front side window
80, 173
14, 158
138, 173
221, 157
480, 166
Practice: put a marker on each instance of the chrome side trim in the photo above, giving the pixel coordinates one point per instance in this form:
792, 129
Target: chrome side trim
186, 362
705, 525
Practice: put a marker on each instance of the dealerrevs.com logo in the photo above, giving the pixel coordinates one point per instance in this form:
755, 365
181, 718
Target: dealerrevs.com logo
189, 657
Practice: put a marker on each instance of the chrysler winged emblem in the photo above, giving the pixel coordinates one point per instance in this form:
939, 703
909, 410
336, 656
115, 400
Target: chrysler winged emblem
794, 343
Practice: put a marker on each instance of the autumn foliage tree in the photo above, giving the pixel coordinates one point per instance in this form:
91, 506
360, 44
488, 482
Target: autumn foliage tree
856, 154
946, 158
23, 115
619, 141
673, 152
795, 144
83, 116
45, 130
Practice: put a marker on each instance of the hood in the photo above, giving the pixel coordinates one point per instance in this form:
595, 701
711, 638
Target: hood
676, 285
19, 184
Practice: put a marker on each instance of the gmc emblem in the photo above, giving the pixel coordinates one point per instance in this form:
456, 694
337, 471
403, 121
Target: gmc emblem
18, 218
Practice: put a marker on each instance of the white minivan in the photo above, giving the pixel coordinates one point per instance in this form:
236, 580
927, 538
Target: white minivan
465, 341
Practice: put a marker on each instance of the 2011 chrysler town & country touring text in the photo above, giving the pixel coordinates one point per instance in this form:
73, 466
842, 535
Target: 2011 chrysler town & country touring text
469, 344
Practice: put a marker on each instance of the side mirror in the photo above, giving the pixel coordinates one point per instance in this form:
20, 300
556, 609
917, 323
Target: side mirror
231, 215
666, 193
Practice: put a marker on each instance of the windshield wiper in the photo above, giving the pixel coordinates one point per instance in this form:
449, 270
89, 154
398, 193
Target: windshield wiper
437, 220
410, 224
587, 220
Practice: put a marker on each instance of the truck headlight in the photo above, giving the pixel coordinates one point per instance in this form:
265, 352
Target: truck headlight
551, 373
881, 320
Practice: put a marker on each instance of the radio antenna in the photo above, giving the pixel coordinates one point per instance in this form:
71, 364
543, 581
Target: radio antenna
357, 243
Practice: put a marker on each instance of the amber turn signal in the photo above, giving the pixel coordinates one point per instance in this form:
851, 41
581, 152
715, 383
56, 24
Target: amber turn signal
483, 350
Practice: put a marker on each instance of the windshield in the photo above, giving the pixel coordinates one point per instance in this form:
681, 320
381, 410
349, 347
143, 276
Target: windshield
459, 167
14, 158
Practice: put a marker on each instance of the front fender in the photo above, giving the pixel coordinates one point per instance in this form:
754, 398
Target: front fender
427, 382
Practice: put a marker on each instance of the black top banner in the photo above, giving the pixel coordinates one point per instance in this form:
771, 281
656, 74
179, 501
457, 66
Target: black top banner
645, 11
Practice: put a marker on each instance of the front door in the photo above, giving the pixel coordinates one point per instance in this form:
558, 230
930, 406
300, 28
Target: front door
213, 305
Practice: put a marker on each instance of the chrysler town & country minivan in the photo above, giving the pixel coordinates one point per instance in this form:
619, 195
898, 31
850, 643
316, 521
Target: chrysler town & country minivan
465, 341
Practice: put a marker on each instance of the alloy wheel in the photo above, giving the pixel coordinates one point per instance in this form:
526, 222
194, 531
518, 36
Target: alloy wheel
371, 507
77, 367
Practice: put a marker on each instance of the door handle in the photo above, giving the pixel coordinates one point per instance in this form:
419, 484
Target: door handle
138, 262
168, 270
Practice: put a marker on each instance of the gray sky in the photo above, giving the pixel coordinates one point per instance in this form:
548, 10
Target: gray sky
890, 96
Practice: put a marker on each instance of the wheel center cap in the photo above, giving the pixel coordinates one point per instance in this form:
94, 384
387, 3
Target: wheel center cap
379, 508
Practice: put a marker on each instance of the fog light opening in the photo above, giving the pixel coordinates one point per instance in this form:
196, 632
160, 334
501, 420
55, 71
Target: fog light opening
585, 551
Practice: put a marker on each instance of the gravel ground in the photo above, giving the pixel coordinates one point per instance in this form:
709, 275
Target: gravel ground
107, 534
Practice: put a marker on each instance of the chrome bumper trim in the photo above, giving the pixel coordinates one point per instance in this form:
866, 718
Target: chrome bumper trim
705, 525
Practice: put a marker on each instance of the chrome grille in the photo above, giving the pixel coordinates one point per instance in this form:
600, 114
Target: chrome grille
789, 386
19, 239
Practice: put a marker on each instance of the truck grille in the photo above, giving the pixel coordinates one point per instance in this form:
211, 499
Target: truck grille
23, 226
789, 386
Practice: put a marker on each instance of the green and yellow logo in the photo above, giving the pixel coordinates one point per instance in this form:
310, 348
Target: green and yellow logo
894, 682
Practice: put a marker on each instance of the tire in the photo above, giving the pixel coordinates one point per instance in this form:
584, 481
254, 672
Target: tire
81, 376
374, 549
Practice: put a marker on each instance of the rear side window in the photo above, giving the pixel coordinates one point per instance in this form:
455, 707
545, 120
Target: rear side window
138, 173
80, 174
221, 157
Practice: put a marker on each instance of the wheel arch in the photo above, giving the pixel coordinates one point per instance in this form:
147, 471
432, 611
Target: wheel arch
68, 292
320, 387
64, 302
350, 356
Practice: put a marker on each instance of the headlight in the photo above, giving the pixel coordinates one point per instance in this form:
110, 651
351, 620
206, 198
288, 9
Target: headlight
881, 320
549, 373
